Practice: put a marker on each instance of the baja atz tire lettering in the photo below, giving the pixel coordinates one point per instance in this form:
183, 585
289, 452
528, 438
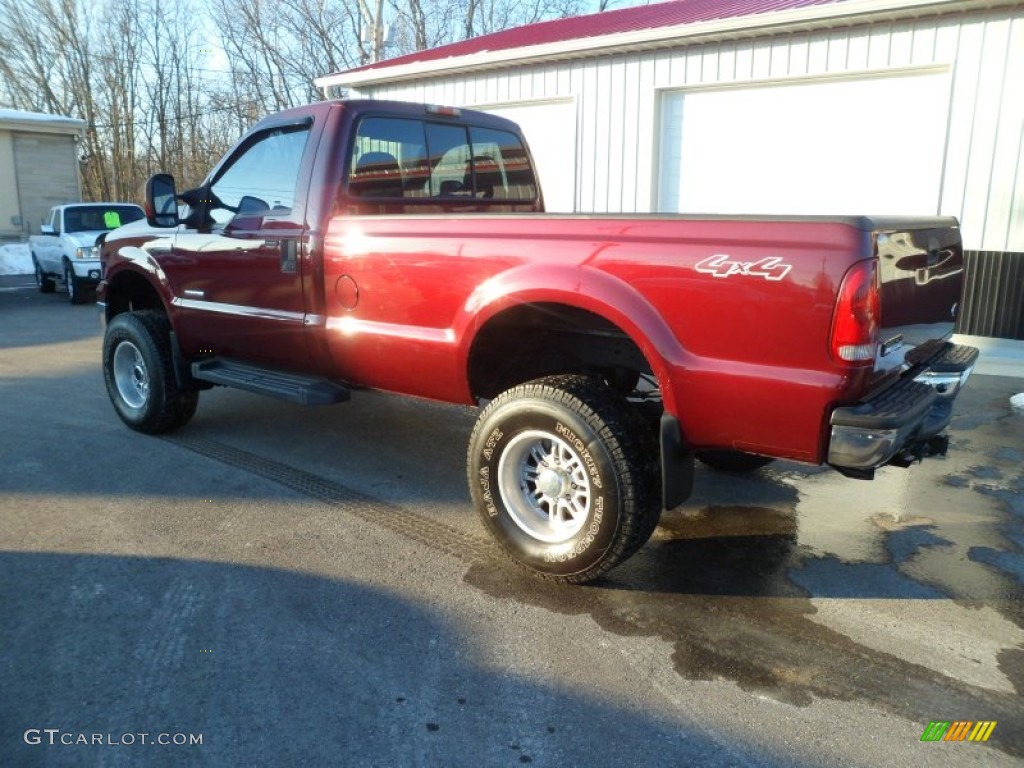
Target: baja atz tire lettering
485, 489
492, 440
576, 443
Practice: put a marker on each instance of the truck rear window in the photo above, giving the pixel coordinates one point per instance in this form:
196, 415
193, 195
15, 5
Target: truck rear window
423, 160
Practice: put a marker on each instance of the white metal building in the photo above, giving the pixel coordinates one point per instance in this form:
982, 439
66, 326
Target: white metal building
759, 106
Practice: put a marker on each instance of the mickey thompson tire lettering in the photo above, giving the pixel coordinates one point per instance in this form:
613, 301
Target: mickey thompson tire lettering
565, 477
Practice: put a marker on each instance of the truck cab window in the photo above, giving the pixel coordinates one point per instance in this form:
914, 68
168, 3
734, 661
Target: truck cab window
262, 178
388, 159
501, 166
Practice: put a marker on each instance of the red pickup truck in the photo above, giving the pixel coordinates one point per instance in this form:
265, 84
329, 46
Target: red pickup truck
403, 247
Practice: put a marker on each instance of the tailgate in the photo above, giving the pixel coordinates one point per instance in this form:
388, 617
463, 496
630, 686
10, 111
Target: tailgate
921, 268
917, 372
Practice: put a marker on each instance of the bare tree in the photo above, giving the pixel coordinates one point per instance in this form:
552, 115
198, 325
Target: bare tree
428, 23
325, 33
28, 66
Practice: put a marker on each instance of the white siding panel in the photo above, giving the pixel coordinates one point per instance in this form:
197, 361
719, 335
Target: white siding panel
799, 55
744, 63
817, 55
923, 44
1015, 226
563, 80
857, 49
999, 212
727, 62
674, 72
646, 149
901, 47
630, 135
695, 66
878, 48
588, 139
710, 63
761, 66
838, 50
966, 46
986, 125
616, 129
1014, 124
601, 118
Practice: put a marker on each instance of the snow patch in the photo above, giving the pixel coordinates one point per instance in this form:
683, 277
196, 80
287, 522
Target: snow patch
1017, 404
15, 259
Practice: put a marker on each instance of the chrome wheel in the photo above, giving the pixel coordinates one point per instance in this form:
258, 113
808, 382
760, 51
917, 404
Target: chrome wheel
545, 486
131, 375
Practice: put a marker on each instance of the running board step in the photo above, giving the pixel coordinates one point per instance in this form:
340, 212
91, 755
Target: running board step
305, 390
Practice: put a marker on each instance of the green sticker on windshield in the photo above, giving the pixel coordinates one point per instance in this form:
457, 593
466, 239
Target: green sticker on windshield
111, 219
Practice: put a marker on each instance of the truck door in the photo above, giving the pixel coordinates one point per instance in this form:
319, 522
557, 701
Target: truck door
239, 279
48, 250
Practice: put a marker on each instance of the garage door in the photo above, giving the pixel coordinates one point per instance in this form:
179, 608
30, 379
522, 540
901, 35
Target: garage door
870, 145
550, 130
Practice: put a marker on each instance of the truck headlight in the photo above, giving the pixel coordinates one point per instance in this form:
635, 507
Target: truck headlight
90, 252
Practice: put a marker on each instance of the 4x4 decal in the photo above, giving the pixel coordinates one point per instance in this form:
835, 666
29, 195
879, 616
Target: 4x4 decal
720, 265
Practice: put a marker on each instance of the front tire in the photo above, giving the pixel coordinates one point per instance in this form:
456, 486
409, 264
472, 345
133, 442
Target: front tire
565, 476
139, 373
76, 293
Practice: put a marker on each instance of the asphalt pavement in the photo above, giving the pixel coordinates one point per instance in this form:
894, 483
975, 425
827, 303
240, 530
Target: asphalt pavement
281, 586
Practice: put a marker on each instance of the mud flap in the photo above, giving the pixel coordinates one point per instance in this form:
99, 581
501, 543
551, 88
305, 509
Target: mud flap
677, 464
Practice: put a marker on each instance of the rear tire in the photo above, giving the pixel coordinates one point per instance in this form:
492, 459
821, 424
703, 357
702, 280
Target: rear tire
139, 373
43, 283
565, 476
733, 461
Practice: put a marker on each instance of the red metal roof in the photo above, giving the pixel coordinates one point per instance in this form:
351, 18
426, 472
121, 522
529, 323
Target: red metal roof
670, 14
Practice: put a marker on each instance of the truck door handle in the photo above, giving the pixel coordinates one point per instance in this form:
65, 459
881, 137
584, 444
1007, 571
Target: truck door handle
289, 256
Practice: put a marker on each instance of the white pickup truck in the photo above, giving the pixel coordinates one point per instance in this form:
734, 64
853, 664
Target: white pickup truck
65, 248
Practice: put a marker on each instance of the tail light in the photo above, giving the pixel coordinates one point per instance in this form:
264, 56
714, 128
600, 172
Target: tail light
856, 321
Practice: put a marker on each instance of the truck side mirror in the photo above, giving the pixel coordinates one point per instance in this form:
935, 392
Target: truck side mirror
46, 229
161, 197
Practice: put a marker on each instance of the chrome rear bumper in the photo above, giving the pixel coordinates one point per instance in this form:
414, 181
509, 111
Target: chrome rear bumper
904, 422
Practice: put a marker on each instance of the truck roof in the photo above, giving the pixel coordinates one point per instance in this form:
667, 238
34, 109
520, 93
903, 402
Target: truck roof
360, 107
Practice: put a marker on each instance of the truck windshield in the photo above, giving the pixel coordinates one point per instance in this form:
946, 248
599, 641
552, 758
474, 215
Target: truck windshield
100, 218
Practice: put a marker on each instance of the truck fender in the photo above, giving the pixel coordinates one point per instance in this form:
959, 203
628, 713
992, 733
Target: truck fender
141, 263
583, 288
141, 260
